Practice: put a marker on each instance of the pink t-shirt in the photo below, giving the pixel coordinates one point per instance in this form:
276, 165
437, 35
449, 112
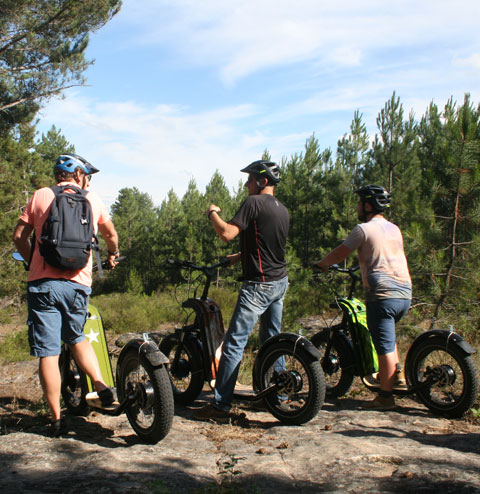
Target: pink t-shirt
382, 259
36, 213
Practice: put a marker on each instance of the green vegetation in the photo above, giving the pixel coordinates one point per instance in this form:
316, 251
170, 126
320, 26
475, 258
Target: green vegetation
431, 164
14, 347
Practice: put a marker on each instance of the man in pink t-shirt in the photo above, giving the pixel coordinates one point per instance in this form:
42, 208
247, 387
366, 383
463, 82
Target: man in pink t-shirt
58, 298
387, 284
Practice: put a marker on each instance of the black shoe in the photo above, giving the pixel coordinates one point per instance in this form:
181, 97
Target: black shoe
106, 397
210, 412
57, 428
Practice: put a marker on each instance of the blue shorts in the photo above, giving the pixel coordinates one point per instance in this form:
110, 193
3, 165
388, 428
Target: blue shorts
381, 318
57, 311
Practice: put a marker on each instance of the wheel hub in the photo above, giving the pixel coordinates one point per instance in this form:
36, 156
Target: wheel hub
145, 394
290, 381
444, 375
181, 369
330, 365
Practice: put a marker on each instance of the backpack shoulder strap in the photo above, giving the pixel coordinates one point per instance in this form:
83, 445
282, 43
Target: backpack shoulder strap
58, 189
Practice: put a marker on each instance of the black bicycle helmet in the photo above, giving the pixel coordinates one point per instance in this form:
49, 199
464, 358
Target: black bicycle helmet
263, 168
377, 196
70, 162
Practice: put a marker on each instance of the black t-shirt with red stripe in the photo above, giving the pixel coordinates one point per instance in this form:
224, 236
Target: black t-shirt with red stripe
264, 222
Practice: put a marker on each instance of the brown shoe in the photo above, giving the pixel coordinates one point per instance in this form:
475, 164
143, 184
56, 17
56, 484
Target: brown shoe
399, 384
210, 412
380, 403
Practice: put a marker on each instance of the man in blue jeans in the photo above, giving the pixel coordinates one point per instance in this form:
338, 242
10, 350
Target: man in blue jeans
262, 223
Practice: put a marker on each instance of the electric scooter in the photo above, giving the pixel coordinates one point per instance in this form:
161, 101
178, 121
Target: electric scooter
286, 374
439, 367
141, 380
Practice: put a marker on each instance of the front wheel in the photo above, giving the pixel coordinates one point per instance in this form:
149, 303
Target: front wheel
151, 413
74, 384
446, 376
338, 365
185, 369
300, 380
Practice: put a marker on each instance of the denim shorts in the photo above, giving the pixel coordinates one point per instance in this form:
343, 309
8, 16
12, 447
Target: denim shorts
57, 311
381, 318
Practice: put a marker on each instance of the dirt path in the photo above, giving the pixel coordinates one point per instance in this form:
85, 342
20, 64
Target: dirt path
342, 450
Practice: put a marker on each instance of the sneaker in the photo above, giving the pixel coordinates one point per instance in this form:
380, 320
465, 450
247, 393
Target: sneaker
104, 399
210, 412
399, 384
57, 428
380, 403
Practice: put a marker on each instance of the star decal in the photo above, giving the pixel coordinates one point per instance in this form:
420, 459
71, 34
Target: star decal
92, 336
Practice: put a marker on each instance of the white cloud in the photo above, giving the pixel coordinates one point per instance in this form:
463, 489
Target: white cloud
341, 57
473, 61
160, 147
240, 38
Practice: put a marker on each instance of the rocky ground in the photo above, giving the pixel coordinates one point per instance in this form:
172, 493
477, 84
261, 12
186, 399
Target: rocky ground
344, 449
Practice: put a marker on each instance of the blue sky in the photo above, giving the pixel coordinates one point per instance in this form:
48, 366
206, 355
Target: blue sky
182, 88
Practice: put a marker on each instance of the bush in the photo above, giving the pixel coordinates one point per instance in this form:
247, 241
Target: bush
15, 348
138, 313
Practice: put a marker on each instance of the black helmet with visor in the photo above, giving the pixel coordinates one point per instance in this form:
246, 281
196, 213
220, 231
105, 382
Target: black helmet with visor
376, 195
264, 168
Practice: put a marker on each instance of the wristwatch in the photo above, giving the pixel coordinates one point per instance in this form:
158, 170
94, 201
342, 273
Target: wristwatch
212, 211
113, 253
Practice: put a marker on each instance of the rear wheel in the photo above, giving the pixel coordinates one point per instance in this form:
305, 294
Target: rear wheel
151, 413
301, 385
338, 365
449, 377
186, 372
74, 384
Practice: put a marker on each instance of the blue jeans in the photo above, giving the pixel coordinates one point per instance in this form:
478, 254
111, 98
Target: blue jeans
255, 299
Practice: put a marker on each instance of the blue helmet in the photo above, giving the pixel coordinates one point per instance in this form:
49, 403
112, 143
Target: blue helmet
70, 162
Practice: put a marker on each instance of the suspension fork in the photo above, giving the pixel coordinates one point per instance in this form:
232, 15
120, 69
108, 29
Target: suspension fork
182, 334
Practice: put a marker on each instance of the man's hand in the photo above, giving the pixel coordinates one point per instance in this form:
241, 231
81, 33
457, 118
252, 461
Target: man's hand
234, 258
212, 208
319, 266
111, 258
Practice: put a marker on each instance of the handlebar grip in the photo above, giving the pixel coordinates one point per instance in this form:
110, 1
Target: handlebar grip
106, 265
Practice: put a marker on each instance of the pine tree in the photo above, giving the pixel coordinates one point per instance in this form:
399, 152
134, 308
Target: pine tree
451, 164
42, 46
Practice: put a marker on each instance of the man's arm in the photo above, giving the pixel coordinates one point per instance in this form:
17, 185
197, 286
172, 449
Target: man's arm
334, 257
234, 258
110, 235
21, 238
226, 231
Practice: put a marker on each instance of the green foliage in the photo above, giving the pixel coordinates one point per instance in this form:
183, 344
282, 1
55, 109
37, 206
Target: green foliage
42, 46
14, 347
134, 283
131, 312
431, 166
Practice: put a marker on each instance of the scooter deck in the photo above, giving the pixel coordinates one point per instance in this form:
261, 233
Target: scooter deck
400, 391
242, 390
246, 393
94, 401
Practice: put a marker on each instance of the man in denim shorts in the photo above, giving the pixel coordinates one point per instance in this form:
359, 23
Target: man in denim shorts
262, 223
58, 298
387, 284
